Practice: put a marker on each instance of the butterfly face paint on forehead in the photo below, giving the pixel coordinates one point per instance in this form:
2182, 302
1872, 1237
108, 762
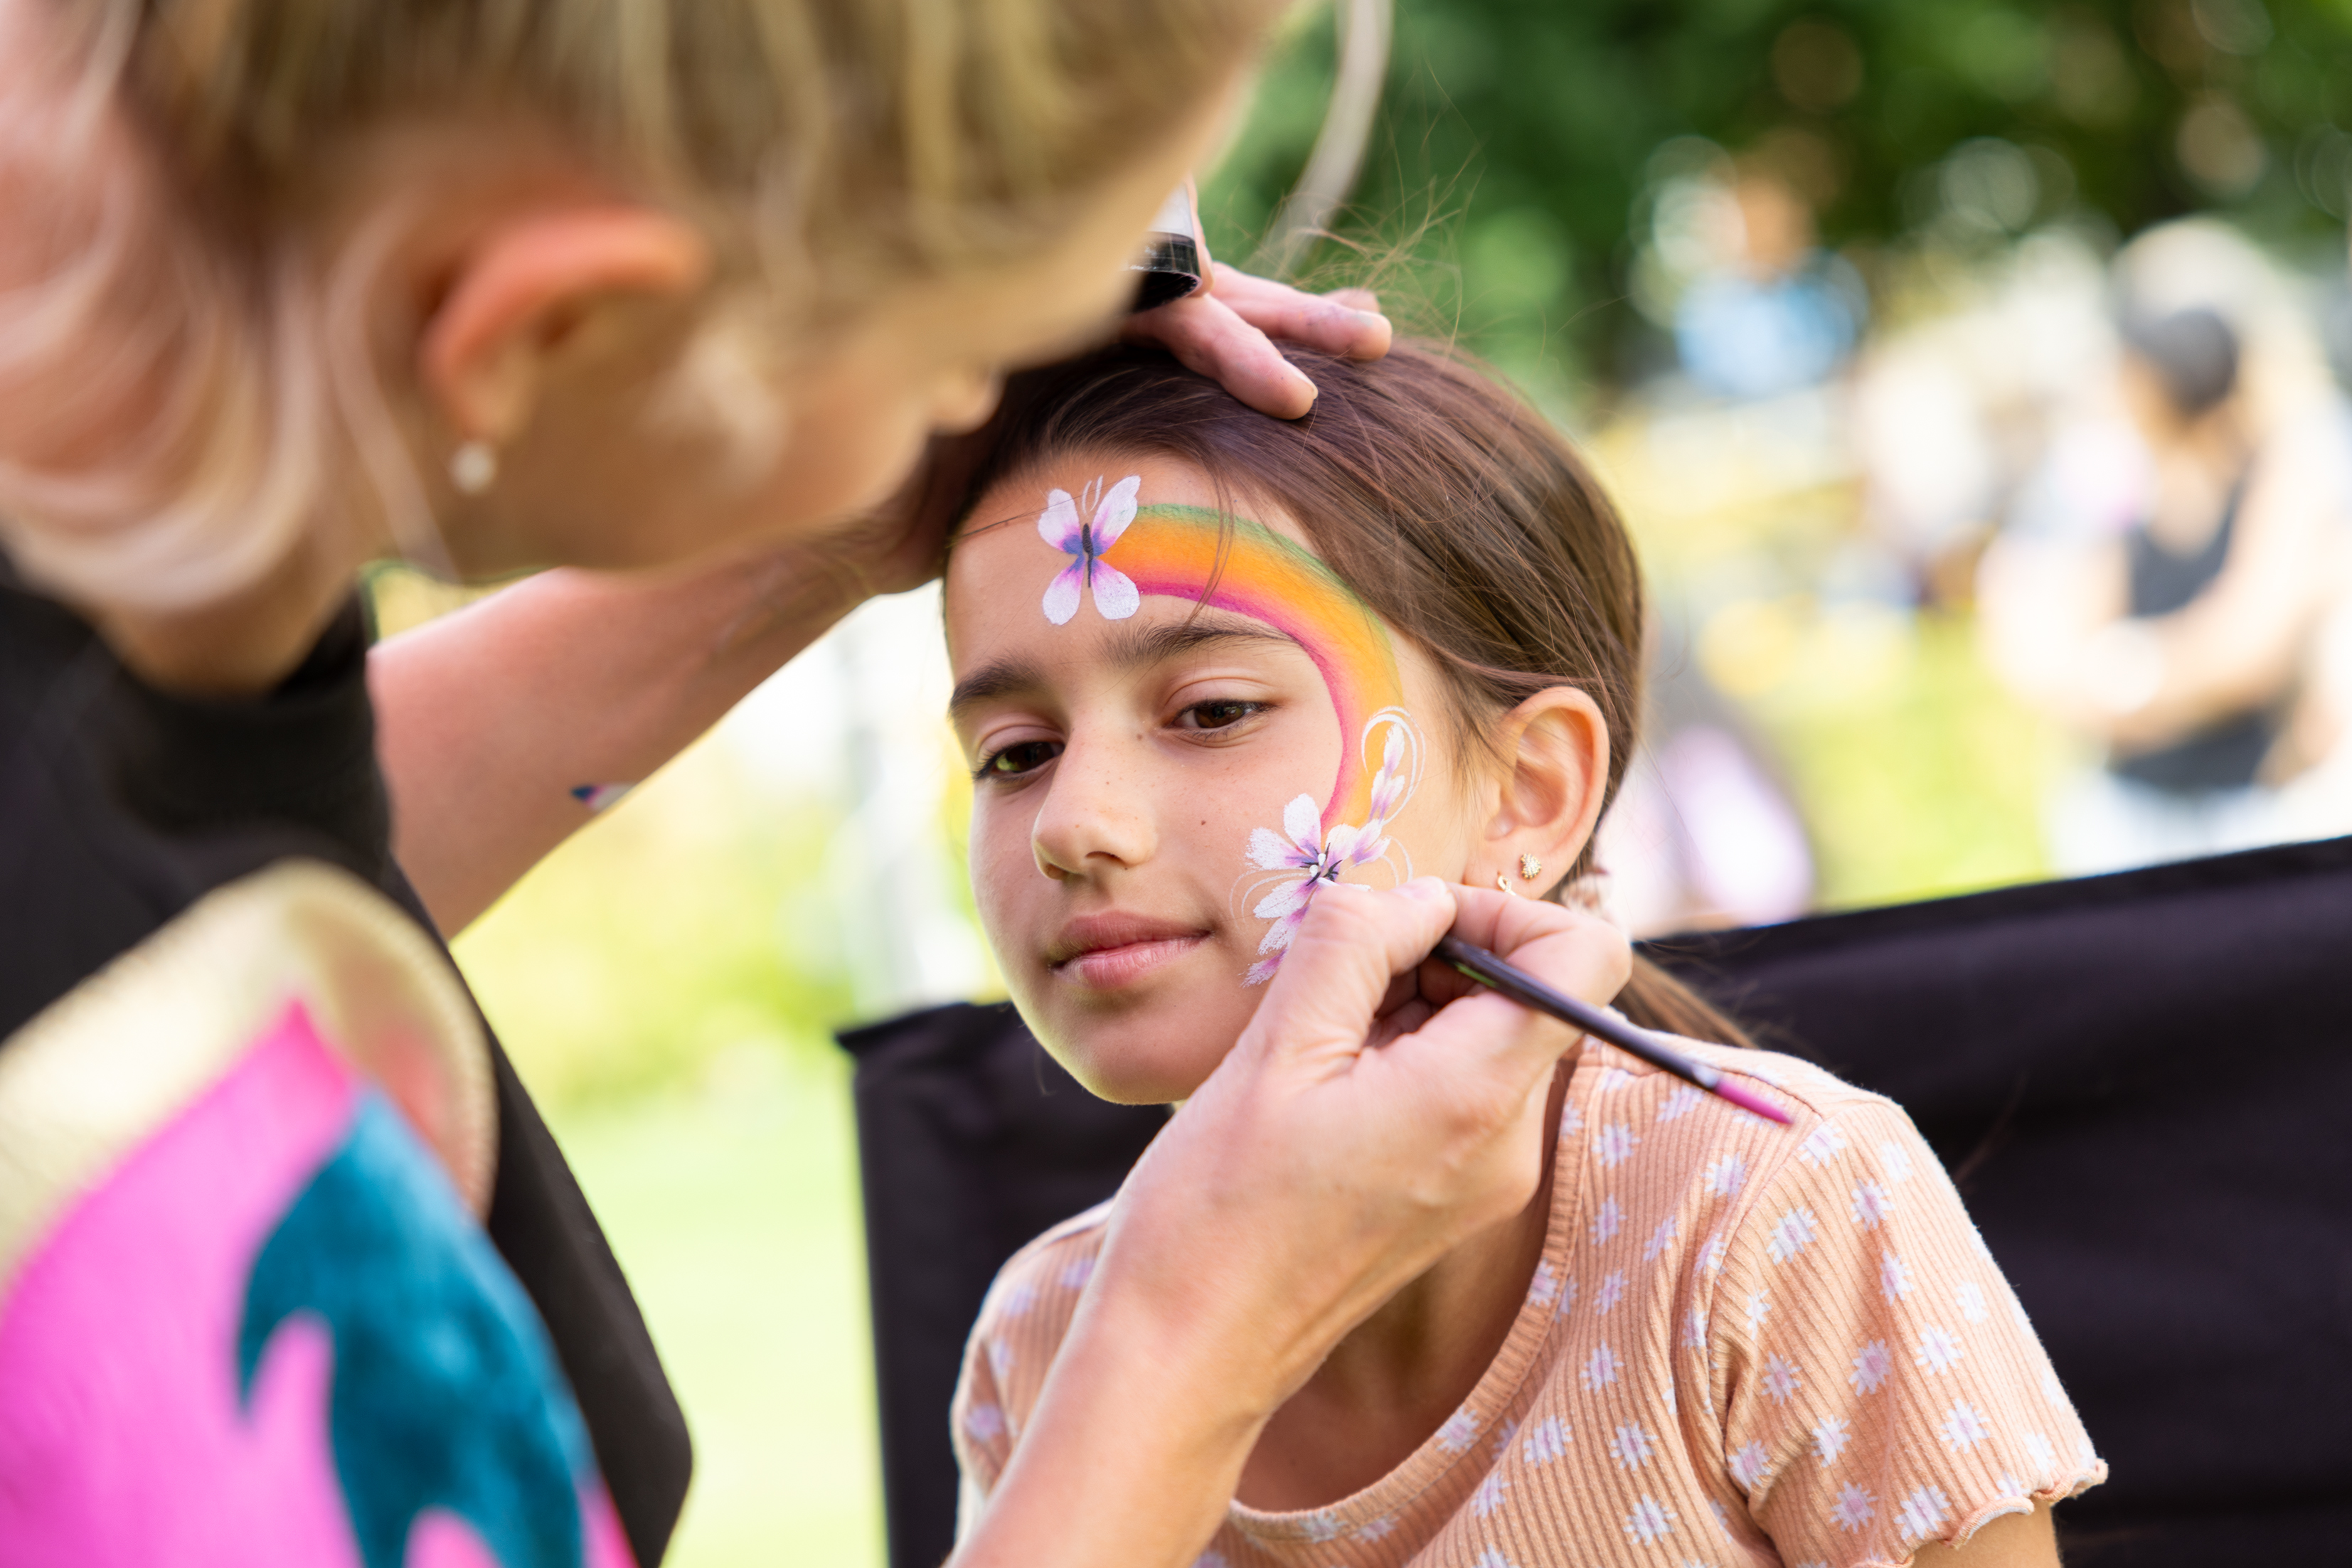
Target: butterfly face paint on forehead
1125, 552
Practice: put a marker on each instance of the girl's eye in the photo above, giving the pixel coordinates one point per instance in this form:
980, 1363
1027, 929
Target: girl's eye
1020, 758
1220, 714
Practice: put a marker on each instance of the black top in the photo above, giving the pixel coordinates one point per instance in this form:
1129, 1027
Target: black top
121, 805
2228, 753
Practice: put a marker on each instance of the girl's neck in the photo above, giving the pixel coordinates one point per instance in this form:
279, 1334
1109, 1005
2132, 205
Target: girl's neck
1405, 1370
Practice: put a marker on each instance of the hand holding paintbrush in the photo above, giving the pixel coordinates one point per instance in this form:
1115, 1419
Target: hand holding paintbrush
1527, 991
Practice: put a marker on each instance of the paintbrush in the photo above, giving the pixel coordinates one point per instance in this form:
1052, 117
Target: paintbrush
1524, 989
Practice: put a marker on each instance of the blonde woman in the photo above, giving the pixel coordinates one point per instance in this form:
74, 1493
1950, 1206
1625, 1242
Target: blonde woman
289, 1269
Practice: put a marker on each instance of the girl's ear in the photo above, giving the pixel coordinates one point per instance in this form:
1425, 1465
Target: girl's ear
1555, 750
531, 283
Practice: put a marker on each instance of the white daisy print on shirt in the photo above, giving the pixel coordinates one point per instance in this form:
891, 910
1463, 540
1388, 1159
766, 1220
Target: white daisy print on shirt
1489, 1495
1821, 1145
1895, 1161
1759, 1307
1971, 1301
1613, 1144
1544, 1288
1600, 1369
1722, 1515
1695, 1330
1710, 1256
1679, 1103
1871, 1365
1373, 1529
1724, 1174
2038, 1449
1791, 1234
1831, 1437
1939, 1349
1965, 1426
1546, 1440
1894, 1277
1661, 1238
1461, 1430
1748, 1466
1571, 1120
1493, 1558
1000, 1358
1780, 1379
1871, 1204
1650, 1520
1853, 1507
1922, 1511
1612, 1290
1075, 1276
1321, 1525
984, 1423
1608, 1222
1632, 1446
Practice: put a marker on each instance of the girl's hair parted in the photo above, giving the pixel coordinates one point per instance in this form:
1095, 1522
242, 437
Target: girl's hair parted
181, 371
1453, 509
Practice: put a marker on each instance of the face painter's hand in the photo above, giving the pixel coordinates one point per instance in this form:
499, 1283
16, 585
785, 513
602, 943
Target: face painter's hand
1378, 1111
1227, 331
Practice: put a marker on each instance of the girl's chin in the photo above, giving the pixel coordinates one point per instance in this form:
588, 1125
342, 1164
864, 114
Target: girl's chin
1112, 1069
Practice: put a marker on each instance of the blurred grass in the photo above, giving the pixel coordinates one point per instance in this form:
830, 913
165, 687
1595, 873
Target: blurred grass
665, 983
734, 1210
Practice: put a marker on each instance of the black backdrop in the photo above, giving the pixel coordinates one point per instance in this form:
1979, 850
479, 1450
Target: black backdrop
2142, 1083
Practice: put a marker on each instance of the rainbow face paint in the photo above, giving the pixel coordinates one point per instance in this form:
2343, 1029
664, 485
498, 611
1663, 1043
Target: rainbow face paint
1191, 553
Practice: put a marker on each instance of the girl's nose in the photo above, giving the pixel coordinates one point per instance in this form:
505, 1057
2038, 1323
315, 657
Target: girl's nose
1092, 821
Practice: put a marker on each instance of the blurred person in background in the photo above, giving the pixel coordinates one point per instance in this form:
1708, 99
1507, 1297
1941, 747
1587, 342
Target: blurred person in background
289, 1263
2177, 646
1772, 312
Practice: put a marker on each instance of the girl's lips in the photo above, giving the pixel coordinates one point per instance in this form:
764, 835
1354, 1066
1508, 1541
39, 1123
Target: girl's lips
1103, 951
1108, 968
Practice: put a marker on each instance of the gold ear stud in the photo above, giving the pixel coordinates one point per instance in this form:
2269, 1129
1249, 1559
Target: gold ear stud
1530, 867
1502, 886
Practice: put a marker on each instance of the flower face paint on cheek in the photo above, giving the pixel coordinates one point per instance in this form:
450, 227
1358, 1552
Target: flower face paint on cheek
1193, 553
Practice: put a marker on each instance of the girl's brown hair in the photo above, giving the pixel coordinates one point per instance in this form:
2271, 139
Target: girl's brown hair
1452, 508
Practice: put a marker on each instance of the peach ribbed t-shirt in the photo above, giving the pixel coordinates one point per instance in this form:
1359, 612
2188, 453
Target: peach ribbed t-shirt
1745, 1344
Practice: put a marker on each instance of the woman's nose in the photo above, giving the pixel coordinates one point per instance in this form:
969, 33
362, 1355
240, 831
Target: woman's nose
1093, 819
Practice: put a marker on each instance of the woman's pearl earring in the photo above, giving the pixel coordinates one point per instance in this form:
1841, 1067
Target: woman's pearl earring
474, 467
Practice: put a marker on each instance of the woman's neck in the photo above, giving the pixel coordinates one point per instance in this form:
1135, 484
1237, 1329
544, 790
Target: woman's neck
241, 645
1405, 1370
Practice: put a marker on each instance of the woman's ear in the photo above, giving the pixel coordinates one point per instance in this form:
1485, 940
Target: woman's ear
1555, 775
528, 286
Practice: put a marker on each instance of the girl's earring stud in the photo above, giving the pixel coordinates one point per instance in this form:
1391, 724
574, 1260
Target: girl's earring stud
474, 467
1530, 867
1503, 886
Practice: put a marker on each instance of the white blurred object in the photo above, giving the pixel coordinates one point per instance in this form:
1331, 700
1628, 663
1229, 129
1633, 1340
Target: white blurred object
1700, 836
862, 714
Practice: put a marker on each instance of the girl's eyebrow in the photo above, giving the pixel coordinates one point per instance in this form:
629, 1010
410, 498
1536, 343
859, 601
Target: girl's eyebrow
1131, 647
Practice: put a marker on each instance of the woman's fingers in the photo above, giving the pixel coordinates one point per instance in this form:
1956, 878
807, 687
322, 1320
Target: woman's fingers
1208, 335
1228, 332
1344, 970
1346, 322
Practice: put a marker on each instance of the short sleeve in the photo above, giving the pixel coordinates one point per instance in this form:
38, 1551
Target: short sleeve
1880, 1384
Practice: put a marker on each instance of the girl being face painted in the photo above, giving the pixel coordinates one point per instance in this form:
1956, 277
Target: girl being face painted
1182, 734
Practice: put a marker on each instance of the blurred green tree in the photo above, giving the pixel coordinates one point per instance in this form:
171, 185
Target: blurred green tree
1524, 133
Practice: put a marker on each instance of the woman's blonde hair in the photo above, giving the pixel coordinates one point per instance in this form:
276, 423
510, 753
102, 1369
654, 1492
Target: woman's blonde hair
160, 161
